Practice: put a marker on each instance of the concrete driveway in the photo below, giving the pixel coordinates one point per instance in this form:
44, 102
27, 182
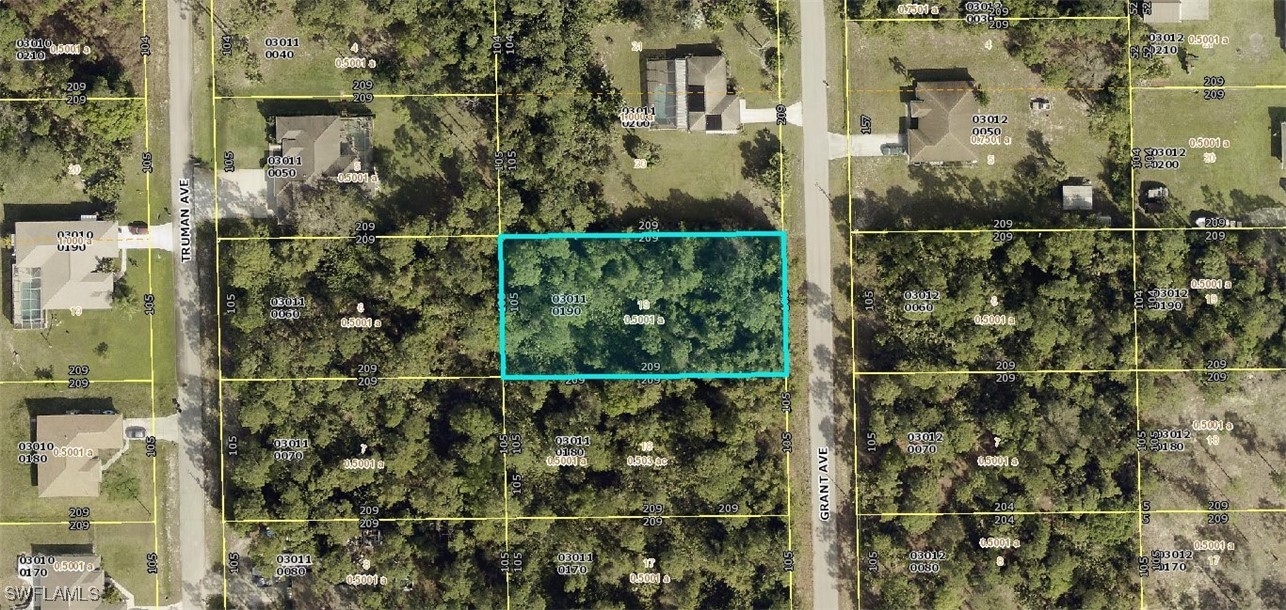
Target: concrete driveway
861, 145
244, 194
160, 237
794, 114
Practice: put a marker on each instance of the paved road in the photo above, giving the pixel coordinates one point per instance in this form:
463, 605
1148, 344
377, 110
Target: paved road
821, 332
193, 500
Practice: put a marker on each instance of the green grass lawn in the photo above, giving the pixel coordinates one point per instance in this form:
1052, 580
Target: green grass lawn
163, 330
202, 108
132, 204
170, 576
311, 71
243, 130
40, 176
744, 53
21, 500
123, 549
891, 194
689, 185
1242, 181
113, 343
1243, 46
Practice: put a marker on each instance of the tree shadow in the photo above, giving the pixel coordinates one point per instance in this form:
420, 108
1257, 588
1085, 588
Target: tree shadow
758, 152
683, 212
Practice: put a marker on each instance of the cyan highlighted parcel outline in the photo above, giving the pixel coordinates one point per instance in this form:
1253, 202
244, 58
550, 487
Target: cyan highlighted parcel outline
653, 305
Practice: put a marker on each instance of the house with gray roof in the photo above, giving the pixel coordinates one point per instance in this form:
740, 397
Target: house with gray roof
307, 150
62, 265
940, 123
692, 93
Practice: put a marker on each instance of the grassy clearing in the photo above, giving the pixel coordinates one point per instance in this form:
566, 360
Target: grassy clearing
1241, 180
167, 504
311, 71
686, 186
22, 503
1243, 465
242, 129
39, 176
1241, 569
202, 97
163, 329
311, 64
42, 174
892, 194
1239, 42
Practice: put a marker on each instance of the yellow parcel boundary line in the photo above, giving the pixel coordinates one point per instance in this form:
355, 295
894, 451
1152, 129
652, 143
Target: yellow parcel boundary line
785, 382
218, 313
1134, 272
504, 411
852, 318
151, 320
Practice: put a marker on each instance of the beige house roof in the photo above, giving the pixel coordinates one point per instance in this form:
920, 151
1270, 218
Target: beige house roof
55, 266
941, 121
66, 588
1177, 11
691, 93
76, 475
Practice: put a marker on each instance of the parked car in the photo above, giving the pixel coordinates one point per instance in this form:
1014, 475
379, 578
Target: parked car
138, 228
136, 432
892, 150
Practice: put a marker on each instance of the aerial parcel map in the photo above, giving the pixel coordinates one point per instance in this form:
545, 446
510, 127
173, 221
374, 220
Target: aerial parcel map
643, 304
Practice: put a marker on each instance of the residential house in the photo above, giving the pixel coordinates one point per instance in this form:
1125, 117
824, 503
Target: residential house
307, 150
940, 123
62, 265
74, 467
692, 93
63, 582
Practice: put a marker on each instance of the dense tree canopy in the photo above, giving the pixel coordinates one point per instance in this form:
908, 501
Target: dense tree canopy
1063, 562
719, 442
434, 301
1231, 294
1061, 301
1071, 437
708, 305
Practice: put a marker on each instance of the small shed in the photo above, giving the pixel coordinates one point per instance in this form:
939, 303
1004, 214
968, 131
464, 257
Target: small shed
1078, 197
